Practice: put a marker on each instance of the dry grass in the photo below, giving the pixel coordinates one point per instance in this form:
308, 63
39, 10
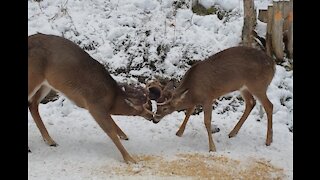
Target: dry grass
197, 166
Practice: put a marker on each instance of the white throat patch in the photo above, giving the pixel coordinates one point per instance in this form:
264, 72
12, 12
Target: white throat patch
154, 106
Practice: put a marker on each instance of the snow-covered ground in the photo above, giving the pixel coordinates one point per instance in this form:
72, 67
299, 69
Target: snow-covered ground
150, 38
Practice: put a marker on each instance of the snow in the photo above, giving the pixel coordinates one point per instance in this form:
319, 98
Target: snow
126, 33
228, 5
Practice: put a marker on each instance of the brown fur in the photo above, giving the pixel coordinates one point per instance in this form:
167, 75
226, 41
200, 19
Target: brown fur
65, 67
239, 68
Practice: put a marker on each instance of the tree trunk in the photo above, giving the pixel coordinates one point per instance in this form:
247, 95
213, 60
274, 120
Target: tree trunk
250, 21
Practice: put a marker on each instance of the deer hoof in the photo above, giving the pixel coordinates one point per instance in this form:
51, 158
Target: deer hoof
232, 134
124, 138
53, 144
130, 160
215, 130
268, 142
179, 134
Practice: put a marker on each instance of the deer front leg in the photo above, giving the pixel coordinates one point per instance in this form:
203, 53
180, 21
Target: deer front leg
108, 125
207, 109
185, 121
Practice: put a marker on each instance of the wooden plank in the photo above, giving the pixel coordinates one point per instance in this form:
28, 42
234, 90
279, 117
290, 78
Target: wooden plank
288, 27
263, 15
277, 33
269, 31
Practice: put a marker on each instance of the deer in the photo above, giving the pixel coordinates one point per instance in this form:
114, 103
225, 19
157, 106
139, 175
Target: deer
239, 68
56, 63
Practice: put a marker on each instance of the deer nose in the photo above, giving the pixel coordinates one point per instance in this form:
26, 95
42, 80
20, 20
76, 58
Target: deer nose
150, 118
155, 121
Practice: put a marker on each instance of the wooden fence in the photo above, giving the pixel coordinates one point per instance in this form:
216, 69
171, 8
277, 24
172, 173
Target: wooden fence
279, 37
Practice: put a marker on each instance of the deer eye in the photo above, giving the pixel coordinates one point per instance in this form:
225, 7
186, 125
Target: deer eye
165, 109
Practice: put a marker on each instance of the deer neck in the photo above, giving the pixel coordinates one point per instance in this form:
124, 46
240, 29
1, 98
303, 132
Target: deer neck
183, 104
120, 107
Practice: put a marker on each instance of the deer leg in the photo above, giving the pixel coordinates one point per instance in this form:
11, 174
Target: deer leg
120, 133
33, 107
250, 103
185, 121
207, 109
268, 107
34, 84
107, 124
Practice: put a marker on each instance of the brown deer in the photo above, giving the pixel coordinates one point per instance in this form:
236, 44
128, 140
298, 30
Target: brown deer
57, 63
238, 68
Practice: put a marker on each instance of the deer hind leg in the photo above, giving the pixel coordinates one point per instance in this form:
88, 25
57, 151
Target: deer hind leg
33, 107
33, 86
207, 109
250, 103
109, 127
185, 121
268, 107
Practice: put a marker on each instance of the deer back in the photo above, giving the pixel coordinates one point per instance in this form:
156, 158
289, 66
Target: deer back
65, 67
227, 71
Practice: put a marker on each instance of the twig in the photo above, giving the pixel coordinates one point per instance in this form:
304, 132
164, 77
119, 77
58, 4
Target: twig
190, 22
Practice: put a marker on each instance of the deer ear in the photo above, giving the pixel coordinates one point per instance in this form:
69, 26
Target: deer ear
169, 86
129, 102
182, 96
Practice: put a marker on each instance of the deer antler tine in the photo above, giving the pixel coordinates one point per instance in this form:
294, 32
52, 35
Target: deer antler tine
161, 104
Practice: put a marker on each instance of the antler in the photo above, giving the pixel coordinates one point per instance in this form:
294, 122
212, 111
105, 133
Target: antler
160, 93
154, 89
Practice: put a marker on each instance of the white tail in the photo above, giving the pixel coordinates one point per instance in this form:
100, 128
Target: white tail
239, 68
59, 64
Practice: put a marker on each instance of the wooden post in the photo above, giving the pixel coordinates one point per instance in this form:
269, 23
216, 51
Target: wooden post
269, 31
249, 23
288, 27
263, 15
277, 34
279, 37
